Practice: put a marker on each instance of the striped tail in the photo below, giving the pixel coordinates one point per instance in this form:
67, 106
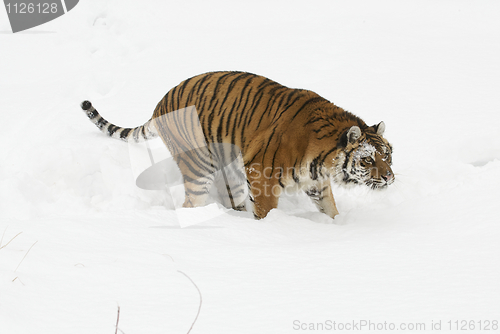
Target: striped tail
140, 133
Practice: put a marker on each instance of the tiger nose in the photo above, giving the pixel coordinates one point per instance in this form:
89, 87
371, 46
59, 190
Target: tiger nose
388, 177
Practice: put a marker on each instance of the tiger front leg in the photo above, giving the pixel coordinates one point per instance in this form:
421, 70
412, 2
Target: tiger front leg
321, 195
264, 192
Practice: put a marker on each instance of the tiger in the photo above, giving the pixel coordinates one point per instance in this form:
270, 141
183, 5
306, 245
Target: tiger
286, 138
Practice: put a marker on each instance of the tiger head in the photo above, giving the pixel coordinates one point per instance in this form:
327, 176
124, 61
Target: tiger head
366, 157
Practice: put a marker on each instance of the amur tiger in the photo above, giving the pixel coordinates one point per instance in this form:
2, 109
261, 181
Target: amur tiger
287, 138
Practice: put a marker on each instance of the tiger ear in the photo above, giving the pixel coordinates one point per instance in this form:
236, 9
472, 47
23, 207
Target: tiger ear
353, 134
380, 128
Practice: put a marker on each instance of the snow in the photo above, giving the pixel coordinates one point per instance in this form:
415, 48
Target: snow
425, 249
365, 150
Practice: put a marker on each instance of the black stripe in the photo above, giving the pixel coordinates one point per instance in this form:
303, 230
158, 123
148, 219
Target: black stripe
343, 139
196, 192
217, 89
286, 106
268, 143
254, 107
235, 193
195, 172
279, 179
112, 129
172, 98
313, 100
242, 110
274, 157
318, 130
242, 93
294, 91
328, 135
191, 92
243, 113
229, 116
181, 91
199, 181
280, 103
124, 133
260, 93
322, 160
314, 120
209, 125
201, 95
166, 100
202, 82
231, 87
313, 168
101, 122
344, 167
219, 131
195, 157
270, 106
272, 101
252, 159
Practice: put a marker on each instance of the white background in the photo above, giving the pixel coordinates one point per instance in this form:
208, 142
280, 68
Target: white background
425, 250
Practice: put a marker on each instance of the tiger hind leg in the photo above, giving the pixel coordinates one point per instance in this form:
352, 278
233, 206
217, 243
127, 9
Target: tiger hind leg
198, 175
196, 191
231, 188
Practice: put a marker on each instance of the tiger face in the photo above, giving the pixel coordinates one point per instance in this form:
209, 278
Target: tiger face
367, 158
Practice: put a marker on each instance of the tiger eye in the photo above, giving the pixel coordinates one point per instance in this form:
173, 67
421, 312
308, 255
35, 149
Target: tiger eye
368, 160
